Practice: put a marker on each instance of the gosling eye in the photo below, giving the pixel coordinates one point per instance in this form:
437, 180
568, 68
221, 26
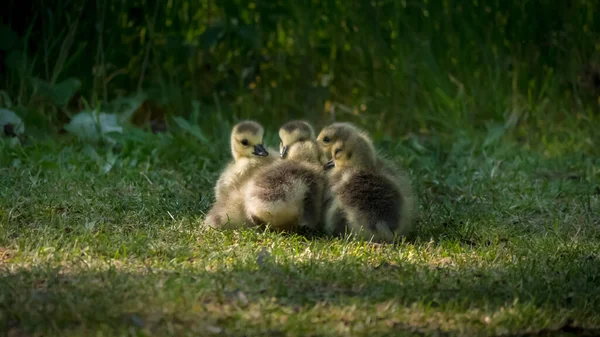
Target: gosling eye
301, 139
244, 142
337, 151
326, 139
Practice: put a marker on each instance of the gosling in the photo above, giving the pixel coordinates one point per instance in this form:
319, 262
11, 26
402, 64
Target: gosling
342, 131
249, 155
288, 195
363, 201
303, 133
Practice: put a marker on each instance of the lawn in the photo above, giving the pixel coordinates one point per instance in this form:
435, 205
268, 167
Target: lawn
107, 242
492, 107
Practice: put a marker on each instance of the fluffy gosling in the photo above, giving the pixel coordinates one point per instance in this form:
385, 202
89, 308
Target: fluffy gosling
249, 155
342, 131
302, 135
364, 201
289, 194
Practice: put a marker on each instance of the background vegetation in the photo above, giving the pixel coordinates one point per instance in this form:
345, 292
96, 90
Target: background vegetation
116, 115
392, 65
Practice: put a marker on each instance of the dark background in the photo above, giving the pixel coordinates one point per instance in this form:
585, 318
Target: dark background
391, 66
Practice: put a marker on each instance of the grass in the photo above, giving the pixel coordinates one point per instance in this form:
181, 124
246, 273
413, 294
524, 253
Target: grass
507, 244
99, 240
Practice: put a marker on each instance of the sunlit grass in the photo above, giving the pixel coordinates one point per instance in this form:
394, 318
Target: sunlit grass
507, 243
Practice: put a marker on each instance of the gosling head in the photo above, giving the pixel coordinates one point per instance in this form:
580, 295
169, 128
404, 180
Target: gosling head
294, 132
247, 140
334, 132
354, 152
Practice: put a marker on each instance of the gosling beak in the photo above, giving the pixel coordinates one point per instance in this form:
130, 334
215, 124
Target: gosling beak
284, 151
329, 165
260, 151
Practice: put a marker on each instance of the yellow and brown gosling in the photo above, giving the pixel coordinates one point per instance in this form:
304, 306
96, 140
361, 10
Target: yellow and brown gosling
289, 194
249, 155
363, 201
301, 134
342, 131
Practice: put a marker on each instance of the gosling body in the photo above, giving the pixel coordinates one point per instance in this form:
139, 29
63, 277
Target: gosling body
363, 201
288, 194
249, 155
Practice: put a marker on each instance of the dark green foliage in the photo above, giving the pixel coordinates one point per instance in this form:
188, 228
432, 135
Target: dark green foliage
432, 64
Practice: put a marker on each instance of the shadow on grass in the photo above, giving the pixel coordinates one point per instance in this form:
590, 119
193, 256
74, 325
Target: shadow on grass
252, 296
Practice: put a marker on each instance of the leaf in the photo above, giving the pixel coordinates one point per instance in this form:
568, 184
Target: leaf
495, 132
8, 37
109, 162
5, 99
445, 99
14, 142
92, 153
134, 135
60, 93
194, 130
41, 87
195, 114
65, 90
414, 142
125, 107
8, 117
93, 126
